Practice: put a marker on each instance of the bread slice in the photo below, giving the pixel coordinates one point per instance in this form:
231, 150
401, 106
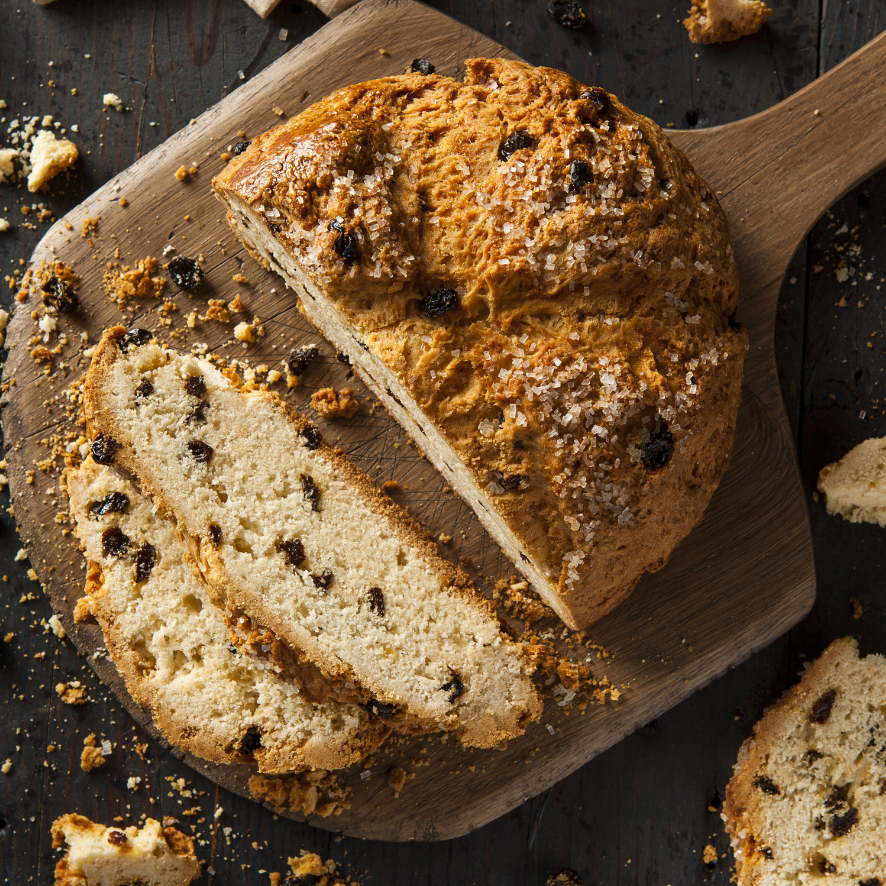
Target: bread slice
536, 285
807, 801
855, 486
293, 540
172, 646
100, 856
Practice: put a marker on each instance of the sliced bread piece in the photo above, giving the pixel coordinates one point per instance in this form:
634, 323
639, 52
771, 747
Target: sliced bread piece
100, 856
855, 486
292, 539
807, 801
172, 646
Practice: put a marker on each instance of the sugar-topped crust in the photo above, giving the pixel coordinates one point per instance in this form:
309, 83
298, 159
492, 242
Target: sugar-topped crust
582, 392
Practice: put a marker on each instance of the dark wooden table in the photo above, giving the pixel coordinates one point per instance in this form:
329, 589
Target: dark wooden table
641, 813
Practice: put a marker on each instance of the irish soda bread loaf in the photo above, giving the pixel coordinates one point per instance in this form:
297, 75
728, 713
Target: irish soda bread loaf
172, 647
537, 285
100, 856
807, 802
297, 544
855, 486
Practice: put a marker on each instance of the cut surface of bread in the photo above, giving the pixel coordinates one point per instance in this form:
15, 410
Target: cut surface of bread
855, 486
716, 21
172, 646
537, 286
807, 801
99, 856
290, 538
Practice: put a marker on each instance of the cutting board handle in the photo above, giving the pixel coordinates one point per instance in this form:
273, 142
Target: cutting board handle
777, 172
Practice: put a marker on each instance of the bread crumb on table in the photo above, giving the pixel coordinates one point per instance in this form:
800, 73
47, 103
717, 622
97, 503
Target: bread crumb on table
112, 100
71, 693
91, 757
334, 404
717, 21
49, 157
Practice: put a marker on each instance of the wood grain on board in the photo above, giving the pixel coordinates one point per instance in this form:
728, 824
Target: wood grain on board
741, 579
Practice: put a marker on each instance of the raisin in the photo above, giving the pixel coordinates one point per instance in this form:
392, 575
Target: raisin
114, 542
144, 561
196, 386
827, 867
60, 295
598, 98
440, 302
240, 147
836, 797
145, 389
514, 142
201, 452
299, 360
293, 552
874, 881
656, 452
840, 825
564, 877
345, 243
343, 358
453, 686
767, 785
186, 273
251, 740
766, 852
117, 838
514, 482
323, 580
312, 493
819, 824
821, 710
312, 438
103, 449
134, 338
812, 756
379, 709
422, 66
215, 534
580, 175
112, 503
197, 414
568, 14
376, 601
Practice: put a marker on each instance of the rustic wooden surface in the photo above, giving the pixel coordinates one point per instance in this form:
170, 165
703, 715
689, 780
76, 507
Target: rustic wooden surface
638, 813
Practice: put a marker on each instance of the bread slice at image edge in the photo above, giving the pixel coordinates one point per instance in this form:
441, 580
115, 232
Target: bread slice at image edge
172, 646
287, 534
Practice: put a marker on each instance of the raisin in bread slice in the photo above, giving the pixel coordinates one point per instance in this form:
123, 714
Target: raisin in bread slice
807, 801
100, 856
855, 486
294, 541
537, 285
173, 650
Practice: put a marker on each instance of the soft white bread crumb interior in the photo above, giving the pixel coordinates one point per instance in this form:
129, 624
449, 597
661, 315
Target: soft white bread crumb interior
432, 649
173, 648
807, 802
855, 486
100, 856
251, 229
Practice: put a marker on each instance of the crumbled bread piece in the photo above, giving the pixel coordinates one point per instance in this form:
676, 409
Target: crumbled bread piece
218, 311
316, 792
397, 778
807, 799
181, 173
709, 854
249, 331
100, 856
6, 767
72, 693
91, 756
56, 626
4, 226
716, 21
49, 156
112, 100
89, 226
7, 168
334, 404
855, 486
239, 278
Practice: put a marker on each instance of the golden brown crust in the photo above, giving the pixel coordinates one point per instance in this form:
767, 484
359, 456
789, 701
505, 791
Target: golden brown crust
588, 318
718, 21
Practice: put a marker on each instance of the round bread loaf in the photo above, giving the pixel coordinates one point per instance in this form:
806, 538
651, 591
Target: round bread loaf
537, 285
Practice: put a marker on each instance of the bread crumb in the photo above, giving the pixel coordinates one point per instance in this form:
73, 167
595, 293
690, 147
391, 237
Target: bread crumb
334, 404
72, 693
315, 792
56, 626
89, 226
274, 376
6, 766
218, 311
239, 278
857, 611
276, 878
709, 854
112, 100
49, 157
4, 225
181, 173
397, 778
716, 21
91, 756
7, 168
278, 111
123, 201
237, 305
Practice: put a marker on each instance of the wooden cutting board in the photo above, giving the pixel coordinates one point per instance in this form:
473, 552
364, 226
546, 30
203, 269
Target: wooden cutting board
742, 578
